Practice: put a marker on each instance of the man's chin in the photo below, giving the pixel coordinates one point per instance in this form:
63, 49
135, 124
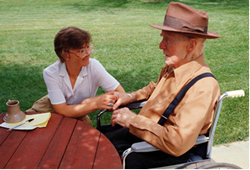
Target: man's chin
167, 62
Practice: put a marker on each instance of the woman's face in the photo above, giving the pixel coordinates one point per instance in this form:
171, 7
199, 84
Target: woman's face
80, 56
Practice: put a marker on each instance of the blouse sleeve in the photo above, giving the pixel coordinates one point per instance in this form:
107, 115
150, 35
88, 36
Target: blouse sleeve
103, 78
55, 93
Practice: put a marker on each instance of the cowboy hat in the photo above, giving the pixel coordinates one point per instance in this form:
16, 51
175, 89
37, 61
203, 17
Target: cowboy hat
184, 19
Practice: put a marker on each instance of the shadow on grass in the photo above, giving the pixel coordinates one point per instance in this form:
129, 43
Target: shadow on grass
26, 84
21, 82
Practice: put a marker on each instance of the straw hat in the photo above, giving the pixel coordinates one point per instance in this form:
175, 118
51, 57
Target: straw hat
182, 18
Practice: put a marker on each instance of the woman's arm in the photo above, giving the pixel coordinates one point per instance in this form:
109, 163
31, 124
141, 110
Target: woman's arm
120, 89
87, 106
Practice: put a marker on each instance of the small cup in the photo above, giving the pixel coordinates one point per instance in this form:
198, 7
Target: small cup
14, 114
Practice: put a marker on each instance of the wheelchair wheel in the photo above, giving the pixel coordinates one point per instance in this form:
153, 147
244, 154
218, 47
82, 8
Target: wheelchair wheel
219, 166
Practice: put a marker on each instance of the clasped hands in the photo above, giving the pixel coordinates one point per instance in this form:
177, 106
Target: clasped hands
121, 116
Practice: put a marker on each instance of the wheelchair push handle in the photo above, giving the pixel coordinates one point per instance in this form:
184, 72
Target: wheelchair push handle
235, 93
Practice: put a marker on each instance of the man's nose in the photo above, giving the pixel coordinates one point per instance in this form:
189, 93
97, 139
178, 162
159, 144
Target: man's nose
162, 45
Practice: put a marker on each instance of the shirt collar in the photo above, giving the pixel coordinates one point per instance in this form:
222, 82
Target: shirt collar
63, 70
83, 71
186, 71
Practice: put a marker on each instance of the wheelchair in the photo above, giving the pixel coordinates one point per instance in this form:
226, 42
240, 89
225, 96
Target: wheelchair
196, 160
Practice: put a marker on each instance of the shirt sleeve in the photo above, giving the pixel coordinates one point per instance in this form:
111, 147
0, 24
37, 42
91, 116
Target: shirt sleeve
179, 133
54, 91
103, 78
145, 92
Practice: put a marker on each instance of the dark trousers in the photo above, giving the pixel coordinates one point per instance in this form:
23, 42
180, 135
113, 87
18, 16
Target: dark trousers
122, 140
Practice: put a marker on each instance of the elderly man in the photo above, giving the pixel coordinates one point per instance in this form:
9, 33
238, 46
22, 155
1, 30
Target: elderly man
184, 32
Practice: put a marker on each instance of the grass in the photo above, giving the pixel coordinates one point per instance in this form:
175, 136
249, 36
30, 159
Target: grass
125, 45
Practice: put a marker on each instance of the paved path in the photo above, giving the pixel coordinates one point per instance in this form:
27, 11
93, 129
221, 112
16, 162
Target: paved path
235, 153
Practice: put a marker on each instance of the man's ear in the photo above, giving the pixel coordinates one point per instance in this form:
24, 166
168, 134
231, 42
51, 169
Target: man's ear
192, 44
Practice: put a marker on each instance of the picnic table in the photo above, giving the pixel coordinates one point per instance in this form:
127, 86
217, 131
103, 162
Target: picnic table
65, 143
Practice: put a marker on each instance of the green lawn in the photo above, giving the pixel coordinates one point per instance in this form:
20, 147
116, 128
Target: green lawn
125, 45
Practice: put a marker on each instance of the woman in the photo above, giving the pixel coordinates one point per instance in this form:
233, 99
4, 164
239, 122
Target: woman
73, 81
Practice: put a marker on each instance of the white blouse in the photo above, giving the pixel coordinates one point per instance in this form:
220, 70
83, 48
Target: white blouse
88, 81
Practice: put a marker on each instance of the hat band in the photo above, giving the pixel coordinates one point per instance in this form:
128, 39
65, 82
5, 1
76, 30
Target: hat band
183, 25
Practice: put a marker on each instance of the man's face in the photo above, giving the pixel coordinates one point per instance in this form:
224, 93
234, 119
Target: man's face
174, 48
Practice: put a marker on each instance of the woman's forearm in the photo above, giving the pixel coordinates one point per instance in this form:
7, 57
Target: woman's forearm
86, 107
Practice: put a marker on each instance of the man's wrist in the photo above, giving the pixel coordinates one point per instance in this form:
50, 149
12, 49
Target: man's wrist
131, 97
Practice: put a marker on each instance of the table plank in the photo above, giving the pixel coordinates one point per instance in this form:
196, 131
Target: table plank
58, 145
9, 146
9, 142
107, 157
84, 140
36, 141
3, 132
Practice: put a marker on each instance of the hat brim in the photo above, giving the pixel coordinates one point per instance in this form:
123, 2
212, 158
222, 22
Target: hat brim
209, 35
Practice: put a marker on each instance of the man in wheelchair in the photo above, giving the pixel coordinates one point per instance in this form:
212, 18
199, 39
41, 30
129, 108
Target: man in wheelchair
184, 33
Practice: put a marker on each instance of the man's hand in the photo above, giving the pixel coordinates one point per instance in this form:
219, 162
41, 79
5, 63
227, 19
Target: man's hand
123, 99
122, 117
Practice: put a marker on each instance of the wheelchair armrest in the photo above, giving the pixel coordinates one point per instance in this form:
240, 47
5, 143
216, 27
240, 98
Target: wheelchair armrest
146, 147
201, 139
136, 105
131, 106
143, 147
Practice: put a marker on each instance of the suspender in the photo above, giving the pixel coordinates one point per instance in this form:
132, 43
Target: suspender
179, 97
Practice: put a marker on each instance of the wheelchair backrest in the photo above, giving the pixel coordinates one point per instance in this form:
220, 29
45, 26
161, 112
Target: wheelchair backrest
231, 94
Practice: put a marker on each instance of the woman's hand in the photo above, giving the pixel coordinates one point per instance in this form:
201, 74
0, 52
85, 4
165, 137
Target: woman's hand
106, 101
122, 117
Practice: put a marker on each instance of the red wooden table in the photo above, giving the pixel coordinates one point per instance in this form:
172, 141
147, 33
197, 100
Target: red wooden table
65, 143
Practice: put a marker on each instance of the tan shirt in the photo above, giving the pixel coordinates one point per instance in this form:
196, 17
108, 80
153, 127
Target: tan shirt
193, 115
